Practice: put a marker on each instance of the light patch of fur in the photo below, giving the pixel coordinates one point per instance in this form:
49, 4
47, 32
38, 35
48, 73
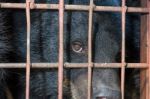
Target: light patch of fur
8, 93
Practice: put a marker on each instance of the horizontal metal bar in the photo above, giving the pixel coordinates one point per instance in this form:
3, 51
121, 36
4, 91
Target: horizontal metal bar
74, 7
74, 65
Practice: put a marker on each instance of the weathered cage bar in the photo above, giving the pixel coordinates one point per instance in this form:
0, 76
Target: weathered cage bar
145, 52
148, 50
123, 48
74, 7
28, 50
145, 44
90, 49
74, 65
61, 49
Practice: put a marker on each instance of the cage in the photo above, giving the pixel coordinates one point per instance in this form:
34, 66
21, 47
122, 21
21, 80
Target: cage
123, 65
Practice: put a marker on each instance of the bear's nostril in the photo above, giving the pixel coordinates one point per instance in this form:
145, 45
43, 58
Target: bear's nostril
101, 97
77, 46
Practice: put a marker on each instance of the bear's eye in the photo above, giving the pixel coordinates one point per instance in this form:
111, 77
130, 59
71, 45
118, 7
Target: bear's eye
77, 46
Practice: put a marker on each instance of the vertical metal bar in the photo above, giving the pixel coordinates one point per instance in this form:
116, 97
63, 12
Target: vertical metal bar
144, 53
61, 51
28, 50
123, 48
148, 57
90, 49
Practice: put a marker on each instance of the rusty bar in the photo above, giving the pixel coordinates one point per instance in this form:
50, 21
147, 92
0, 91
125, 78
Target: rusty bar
144, 53
74, 7
137, 9
148, 49
124, 8
74, 65
90, 49
27, 96
61, 51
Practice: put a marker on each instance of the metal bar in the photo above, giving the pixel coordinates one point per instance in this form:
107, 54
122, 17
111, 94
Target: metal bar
74, 65
61, 51
90, 49
124, 8
27, 96
148, 49
74, 7
144, 53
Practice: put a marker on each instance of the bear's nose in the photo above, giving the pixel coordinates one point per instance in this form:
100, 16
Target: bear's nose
102, 97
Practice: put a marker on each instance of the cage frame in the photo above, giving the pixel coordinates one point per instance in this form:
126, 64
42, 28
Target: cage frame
144, 64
